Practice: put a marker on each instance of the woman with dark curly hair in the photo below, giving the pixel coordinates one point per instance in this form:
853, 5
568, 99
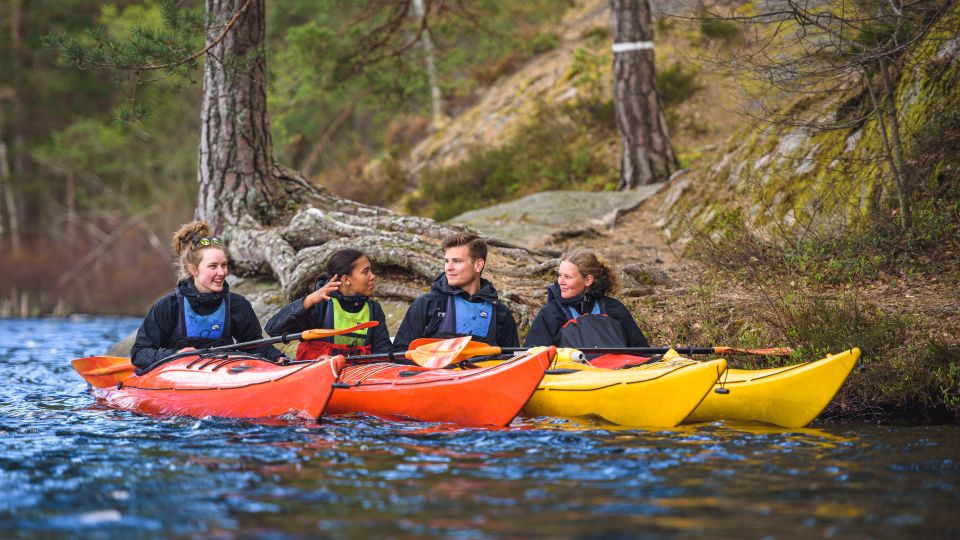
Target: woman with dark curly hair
579, 313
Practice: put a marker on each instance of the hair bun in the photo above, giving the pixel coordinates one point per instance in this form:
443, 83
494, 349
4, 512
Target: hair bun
185, 235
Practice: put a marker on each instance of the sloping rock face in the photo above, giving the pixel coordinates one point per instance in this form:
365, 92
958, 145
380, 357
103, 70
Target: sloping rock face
789, 177
541, 219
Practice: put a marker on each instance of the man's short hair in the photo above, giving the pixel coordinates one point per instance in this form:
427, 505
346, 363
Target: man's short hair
476, 245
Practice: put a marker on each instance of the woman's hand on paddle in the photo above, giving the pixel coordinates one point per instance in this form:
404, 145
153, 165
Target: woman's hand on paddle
185, 349
323, 293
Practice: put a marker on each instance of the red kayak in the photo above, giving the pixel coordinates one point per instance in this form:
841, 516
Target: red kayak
234, 386
489, 396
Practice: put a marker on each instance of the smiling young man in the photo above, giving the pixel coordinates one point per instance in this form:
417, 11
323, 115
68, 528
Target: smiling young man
461, 302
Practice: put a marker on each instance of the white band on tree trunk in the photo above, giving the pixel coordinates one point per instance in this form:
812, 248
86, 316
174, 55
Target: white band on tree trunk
633, 46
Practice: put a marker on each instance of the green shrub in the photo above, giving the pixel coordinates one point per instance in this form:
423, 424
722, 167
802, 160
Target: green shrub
588, 72
824, 325
677, 84
716, 28
596, 34
558, 150
542, 42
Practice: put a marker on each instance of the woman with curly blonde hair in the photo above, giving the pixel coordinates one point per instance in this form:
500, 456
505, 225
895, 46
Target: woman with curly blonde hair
201, 311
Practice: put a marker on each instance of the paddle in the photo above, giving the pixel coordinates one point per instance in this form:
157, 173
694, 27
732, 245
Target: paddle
433, 354
104, 371
474, 349
439, 354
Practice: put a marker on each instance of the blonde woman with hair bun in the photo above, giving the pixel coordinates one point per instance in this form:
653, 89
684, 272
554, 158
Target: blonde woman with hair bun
201, 311
580, 312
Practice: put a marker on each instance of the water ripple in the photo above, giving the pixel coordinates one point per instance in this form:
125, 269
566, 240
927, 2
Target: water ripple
70, 467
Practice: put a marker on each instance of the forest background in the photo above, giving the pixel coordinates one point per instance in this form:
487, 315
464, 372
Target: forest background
785, 222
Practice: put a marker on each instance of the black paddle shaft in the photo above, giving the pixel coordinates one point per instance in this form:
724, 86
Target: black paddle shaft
285, 338
628, 350
398, 357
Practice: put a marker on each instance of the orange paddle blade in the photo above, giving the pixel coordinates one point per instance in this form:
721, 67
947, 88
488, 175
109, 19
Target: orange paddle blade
103, 371
321, 333
471, 350
438, 354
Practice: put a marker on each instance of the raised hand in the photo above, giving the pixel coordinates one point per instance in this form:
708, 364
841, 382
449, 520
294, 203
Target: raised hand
323, 293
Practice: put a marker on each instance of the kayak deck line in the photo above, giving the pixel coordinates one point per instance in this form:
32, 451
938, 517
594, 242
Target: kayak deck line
475, 397
452, 375
617, 397
247, 388
784, 369
355, 375
626, 383
206, 388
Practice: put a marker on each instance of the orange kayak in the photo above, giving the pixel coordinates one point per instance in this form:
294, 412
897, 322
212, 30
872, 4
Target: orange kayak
471, 397
235, 386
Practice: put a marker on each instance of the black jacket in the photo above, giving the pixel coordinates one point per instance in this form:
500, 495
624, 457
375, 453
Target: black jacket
156, 339
295, 318
424, 317
546, 327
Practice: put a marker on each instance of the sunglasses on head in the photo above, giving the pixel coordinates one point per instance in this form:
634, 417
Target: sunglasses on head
204, 241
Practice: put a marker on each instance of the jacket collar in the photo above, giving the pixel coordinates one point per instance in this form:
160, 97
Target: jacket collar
352, 302
201, 300
582, 302
487, 292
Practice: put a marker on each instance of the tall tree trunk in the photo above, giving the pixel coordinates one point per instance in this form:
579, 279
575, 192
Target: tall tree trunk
647, 155
426, 41
896, 142
5, 190
70, 196
236, 152
882, 110
9, 217
17, 156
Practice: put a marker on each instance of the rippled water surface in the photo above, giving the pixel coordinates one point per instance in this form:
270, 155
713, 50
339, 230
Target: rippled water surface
71, 468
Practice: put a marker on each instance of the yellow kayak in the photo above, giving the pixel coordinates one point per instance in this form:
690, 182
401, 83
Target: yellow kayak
656, 395
790, 396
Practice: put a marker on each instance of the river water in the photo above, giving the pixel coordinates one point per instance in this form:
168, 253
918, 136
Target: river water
70, 468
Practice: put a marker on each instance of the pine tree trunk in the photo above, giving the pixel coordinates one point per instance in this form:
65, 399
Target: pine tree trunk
426, 41
236, 161
17, 159
5, 190
647, 155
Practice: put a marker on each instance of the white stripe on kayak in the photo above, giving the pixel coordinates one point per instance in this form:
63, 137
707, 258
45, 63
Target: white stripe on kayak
632, 46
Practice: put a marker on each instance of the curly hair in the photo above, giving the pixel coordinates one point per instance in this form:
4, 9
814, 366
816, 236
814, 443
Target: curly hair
186, 246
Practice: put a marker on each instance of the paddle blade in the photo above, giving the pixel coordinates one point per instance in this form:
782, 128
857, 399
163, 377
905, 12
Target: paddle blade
320, 333
103, 371
438, 354
471, 350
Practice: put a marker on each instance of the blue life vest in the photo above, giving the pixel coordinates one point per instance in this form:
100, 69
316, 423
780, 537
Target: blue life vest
466, 318
195, 330
574, 314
